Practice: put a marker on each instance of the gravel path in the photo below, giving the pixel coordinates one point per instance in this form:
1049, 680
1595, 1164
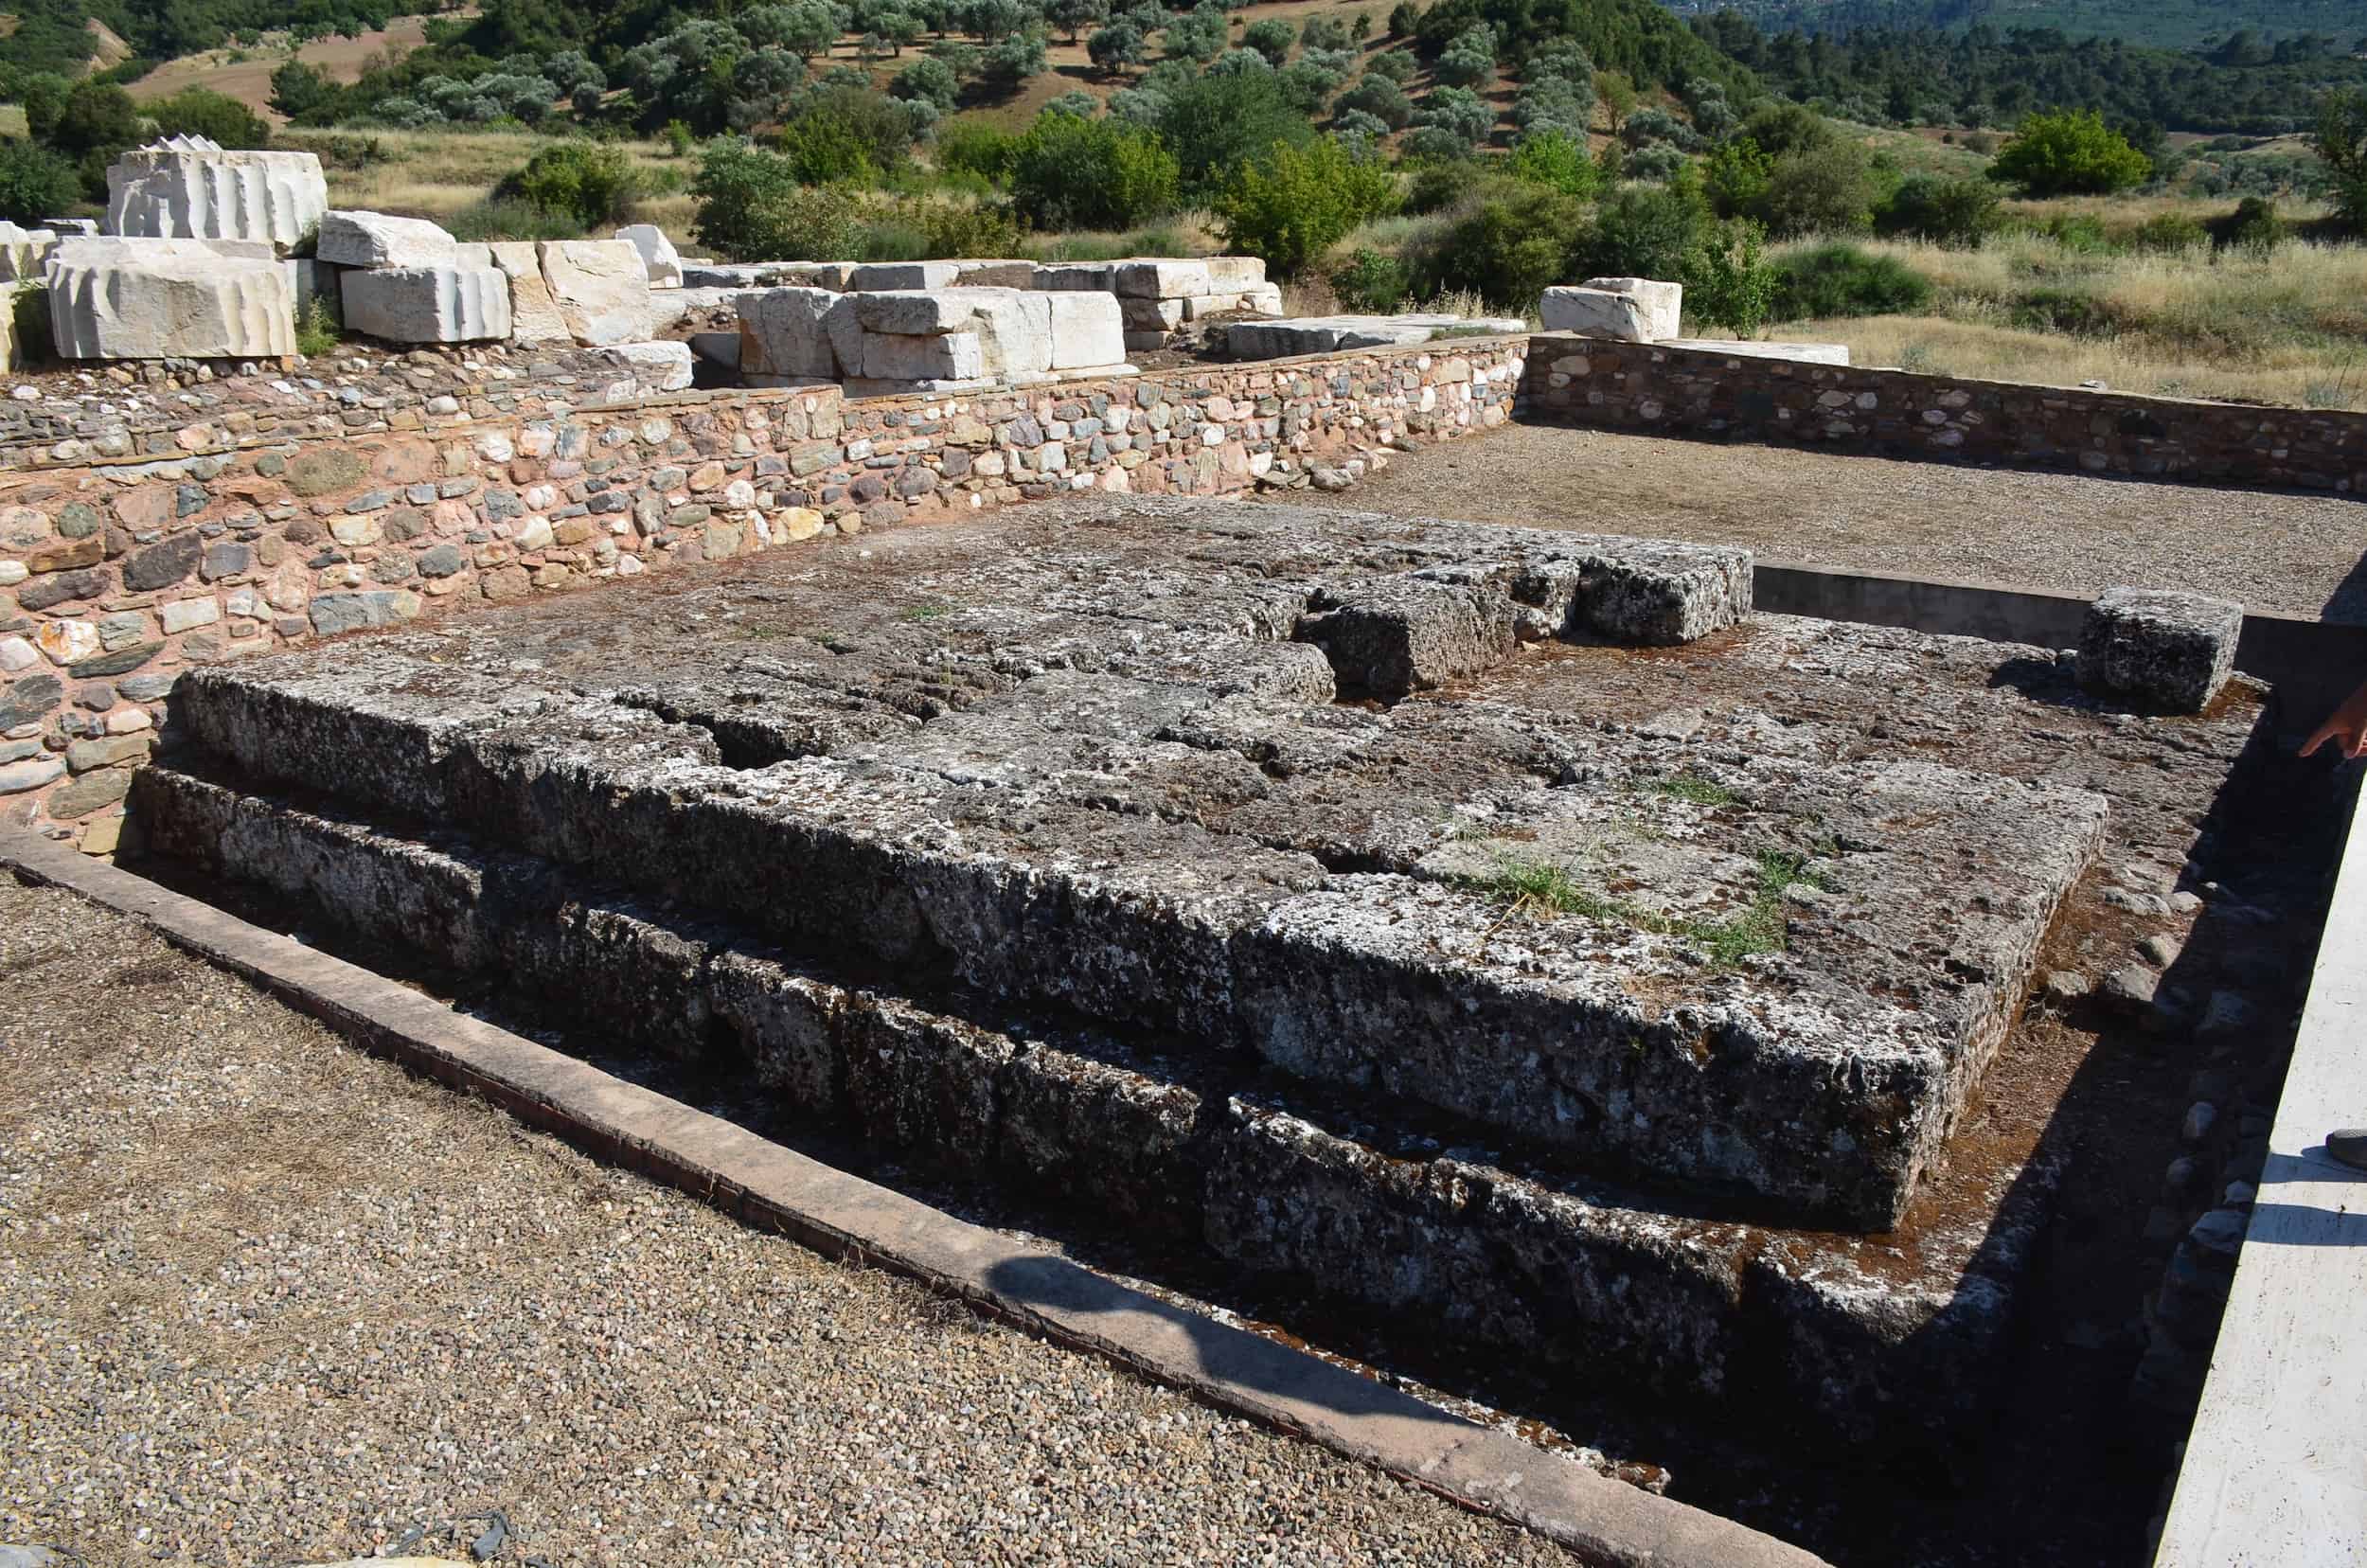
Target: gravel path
264, 1299
2297, 553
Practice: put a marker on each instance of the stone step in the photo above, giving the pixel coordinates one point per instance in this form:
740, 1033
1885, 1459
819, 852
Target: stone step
1774, 986
1279, 1181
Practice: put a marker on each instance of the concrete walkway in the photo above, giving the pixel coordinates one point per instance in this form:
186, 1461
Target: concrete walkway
2275, 1470
267, 1300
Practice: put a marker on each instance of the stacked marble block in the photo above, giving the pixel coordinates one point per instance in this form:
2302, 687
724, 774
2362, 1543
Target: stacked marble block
194, 263
1643, 310
1159, 299
406, 280
945, 338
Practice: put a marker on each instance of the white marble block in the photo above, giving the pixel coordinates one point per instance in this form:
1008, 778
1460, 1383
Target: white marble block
453, 304
876, 276
190, 189
118, 298
1087, 330
785, 332
657, 254
1632, 309
376, 239
23, 253
533, 314
602, 288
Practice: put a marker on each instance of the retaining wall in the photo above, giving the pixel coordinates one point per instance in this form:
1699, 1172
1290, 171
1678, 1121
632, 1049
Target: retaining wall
117, 575
1662, 390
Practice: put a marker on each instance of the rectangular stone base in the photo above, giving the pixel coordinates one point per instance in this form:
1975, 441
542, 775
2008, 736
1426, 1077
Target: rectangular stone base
1279, 1180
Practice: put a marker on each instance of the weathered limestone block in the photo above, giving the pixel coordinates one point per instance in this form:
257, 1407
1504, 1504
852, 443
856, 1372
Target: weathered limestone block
879, 275
783, 332
657, 254
1011, 328
1235, 274
1086, 330
534, 315
453, 304
602, 288
944, 356
1076, 278
168, 299
1152, 315
2157, 648
994, 275
23, 253
1157, 279
190, 189
654, 366
374, 240
1412, 633
1632, 309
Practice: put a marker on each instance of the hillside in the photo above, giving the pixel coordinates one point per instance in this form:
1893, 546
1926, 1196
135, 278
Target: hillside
2166, 23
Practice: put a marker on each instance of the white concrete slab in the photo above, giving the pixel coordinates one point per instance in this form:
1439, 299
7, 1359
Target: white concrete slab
2275, 1469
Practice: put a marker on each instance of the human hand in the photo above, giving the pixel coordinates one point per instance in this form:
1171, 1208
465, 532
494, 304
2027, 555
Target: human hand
2346, 727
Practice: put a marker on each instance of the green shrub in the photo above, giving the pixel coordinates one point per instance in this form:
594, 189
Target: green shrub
200, 112
317, 330
985, 230
823, 149
35, 183
500, 218
2341, 142
1557, 159
1094, 174
1733, 177
970, 146
1381, 98
2078, 233
2252, 226
2062, 310
1393, 65
2171, 231
1842, 280
1510, 250
2073, 152
751, 207
1949, 212
1779, 128
1294, 204
1371, 280
1215, 124
1272, 37
590, 183
1732, 285
1440, 185
1827, 189
1645, 232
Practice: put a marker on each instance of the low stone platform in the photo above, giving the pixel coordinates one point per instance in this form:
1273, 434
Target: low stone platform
1500, 928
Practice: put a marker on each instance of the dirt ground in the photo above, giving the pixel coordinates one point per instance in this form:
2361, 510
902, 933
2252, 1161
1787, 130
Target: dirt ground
265, 1300
2304, 555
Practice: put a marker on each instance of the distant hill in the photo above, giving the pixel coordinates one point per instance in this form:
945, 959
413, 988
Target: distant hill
69, 37
2166, 23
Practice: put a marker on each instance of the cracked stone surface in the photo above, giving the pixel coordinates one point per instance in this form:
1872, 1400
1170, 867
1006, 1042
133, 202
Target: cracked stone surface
1082, 760
1565, 1003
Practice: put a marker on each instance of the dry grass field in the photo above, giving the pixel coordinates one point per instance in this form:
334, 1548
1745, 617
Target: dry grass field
245, 74
2285, 327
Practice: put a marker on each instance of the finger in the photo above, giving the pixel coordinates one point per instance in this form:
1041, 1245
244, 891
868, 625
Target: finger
2315, 741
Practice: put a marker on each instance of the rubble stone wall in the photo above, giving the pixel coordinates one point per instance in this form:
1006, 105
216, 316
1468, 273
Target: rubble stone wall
1663, 391
117, 574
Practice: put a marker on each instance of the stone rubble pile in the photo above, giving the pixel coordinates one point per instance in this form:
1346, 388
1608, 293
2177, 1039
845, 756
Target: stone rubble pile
922, 340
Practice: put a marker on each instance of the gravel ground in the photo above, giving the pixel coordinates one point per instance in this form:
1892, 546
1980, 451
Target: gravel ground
265, 1299
2302, 554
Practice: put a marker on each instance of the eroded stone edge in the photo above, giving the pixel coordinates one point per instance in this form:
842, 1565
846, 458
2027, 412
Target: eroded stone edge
840, 1215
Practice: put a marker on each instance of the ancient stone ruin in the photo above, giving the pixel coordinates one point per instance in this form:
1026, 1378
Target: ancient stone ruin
190, 189
1423, 912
